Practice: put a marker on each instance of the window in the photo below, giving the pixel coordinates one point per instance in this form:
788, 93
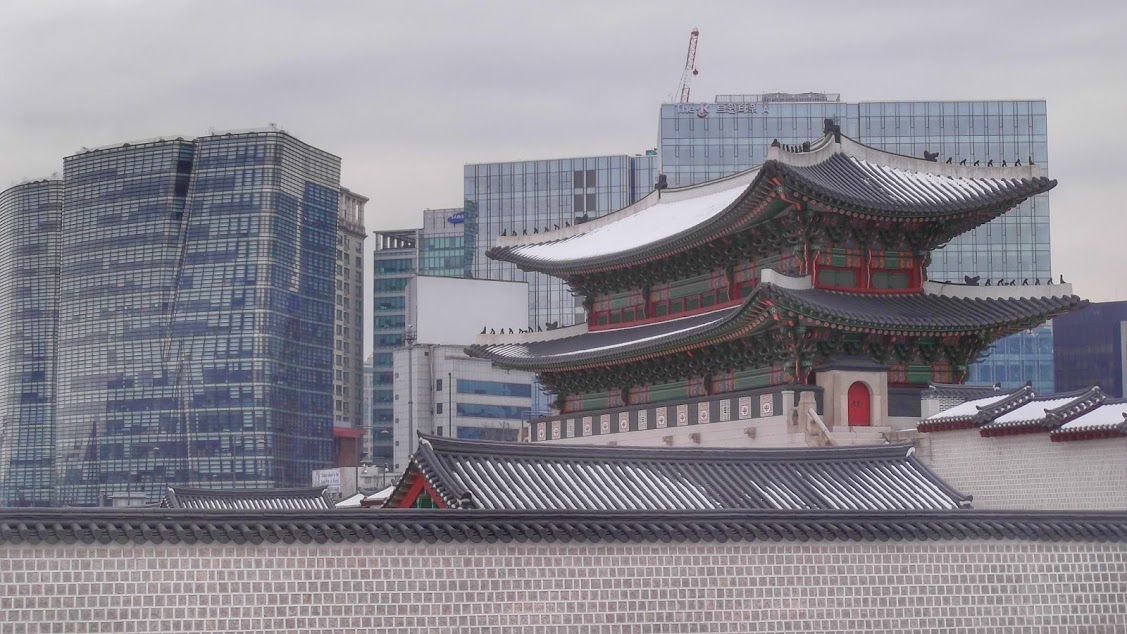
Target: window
438, 385
891, 279
837, 278
438, 409
493, 388
478, 410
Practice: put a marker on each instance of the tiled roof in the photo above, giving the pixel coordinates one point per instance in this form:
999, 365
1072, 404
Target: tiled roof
939, 313
342, 526
963, 391
1076, 415
843, 174
1042, 413
247, 499
538, 476
1107, 420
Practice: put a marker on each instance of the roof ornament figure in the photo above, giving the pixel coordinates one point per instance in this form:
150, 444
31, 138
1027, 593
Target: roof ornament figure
977, 163
931, 156
949, 159
971, 281
963, 162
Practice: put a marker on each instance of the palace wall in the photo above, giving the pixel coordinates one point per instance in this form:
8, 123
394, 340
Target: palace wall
969, 585
1028, 471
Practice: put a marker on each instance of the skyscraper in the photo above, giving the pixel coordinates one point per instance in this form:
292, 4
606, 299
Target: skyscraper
196, 314
29, 284
704, 141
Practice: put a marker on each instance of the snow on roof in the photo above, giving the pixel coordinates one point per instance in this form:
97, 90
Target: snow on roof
1033, 410
647, 226
1106, 416
969, 408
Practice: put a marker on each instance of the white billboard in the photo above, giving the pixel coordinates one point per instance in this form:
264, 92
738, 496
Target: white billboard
452, 311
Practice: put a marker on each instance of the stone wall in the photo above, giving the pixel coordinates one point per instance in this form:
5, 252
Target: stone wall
952, 585
1028, 471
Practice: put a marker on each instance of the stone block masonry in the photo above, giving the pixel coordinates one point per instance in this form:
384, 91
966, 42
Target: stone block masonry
952, 585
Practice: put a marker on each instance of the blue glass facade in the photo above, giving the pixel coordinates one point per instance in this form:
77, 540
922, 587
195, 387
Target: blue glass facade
396, 258
29, 275
528, 196
1090, 348
700, 142
196, 316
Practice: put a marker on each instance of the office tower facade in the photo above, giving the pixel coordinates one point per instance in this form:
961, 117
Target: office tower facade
442, 244
1090, 348
531, 196
196, 314
395, 260
29, 283
348, 330
705, 141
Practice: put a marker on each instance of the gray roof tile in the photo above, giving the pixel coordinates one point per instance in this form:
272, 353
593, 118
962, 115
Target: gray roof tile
539, 476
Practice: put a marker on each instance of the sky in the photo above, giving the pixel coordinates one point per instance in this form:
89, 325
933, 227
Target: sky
406, 93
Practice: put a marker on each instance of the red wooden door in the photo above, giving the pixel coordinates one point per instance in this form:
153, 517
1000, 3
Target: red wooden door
859, 404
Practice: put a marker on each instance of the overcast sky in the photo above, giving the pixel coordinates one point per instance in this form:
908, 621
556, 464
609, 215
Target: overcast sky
407, 92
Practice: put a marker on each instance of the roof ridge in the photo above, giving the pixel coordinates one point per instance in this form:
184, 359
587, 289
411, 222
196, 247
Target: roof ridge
440, 444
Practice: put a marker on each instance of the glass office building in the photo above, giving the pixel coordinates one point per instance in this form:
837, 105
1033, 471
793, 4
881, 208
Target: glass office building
29, 277
396, 258
700, 142
196, 316
1090, 348
442, 244
534, 196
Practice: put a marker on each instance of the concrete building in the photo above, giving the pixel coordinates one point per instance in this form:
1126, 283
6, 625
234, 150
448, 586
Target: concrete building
348, 325
704, 141
1090, 348
438, 389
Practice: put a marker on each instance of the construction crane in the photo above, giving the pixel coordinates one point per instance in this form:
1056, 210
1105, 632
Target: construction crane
690, 68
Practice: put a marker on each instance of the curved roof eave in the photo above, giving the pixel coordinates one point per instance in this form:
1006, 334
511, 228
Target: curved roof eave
833, 308
847, 174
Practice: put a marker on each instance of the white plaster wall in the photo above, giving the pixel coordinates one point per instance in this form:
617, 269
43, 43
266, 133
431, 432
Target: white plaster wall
452, 311
1028, 471
769, 432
